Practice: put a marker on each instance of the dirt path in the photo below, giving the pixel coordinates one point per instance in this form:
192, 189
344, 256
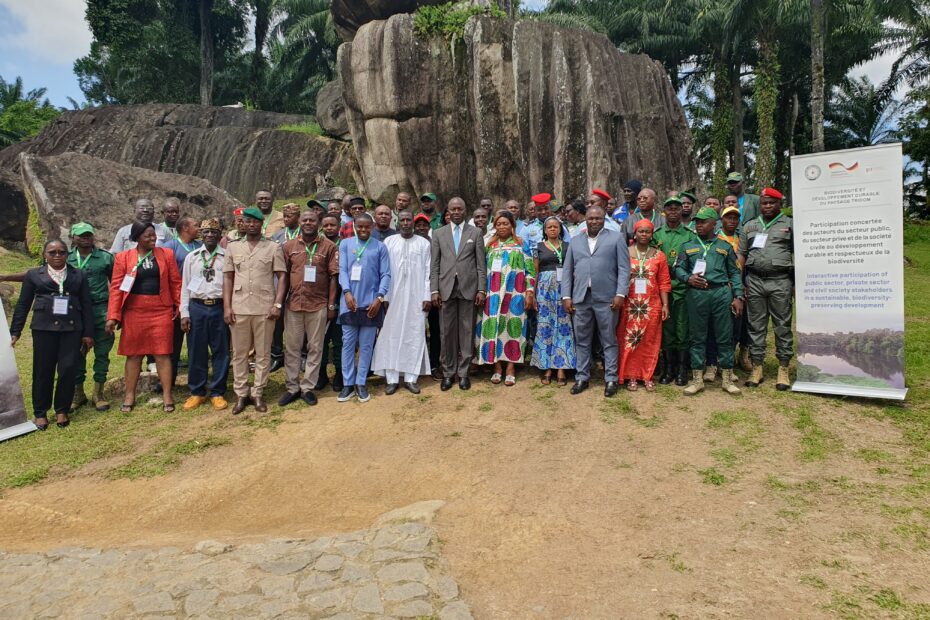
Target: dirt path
559, 506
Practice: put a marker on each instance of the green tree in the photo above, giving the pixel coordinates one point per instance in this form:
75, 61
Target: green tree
23, 114
860, 114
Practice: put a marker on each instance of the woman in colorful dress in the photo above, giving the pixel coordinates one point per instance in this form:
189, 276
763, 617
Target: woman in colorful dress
640, 330
501, 330
554, 347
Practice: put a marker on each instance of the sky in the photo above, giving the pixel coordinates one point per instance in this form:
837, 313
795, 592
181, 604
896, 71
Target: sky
41, 39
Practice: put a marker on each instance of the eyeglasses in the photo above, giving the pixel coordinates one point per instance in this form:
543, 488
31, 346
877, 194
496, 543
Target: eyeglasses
56, 253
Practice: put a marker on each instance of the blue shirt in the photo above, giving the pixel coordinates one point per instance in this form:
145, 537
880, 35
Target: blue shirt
376, 272
181, 250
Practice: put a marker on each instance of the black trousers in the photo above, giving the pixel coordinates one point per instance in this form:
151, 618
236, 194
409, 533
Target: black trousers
53, 351
435, 338
333, 336
176, 350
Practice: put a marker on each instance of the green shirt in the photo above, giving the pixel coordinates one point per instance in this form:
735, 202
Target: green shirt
670, 241
777, 256
99, 270
721, 265
435, 220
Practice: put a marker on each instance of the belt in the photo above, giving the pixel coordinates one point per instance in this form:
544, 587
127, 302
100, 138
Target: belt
218, 301
770, 274
711, 285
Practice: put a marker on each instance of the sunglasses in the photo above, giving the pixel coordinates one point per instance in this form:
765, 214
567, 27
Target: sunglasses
57, 253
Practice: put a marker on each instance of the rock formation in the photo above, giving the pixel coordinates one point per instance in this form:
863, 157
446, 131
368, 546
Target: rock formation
72, 187
350, 15
236, 150
517, 108
331, 110
14, 212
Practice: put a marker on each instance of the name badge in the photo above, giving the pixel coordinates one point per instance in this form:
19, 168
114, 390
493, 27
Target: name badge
497, 264
196, 284
310, 273
126, 286
700, 266
356, 273
640, 286
558, 274
60, 305
759, 240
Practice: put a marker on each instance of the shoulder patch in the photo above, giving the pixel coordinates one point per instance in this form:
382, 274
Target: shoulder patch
721, 251
692, 250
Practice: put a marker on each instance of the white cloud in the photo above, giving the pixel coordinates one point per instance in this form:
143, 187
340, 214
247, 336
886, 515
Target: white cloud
51, 30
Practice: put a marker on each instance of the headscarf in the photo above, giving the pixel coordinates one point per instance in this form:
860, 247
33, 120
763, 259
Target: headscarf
643, 223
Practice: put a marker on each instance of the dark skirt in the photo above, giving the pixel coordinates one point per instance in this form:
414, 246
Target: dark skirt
147, 328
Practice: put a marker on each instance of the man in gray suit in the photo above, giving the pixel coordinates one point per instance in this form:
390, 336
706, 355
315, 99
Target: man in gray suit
595, 281
458, 281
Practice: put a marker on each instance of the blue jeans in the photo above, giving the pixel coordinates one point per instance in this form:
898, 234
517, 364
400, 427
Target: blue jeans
364, 339
208, 334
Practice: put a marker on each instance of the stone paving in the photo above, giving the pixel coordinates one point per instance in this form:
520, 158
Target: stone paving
392, 570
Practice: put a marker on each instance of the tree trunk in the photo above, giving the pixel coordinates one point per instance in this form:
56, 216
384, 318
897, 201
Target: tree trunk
206, 53
739, 145
262, 9
721, 129
795, 110
818, 34
766, 96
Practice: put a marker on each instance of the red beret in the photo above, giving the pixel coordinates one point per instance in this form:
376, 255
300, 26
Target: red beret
771, 192
421, 216
601, 193
238, 211
542, 199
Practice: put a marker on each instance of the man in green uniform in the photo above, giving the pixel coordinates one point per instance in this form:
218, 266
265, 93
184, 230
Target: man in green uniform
669, 238
428, 207
767, 248
707, 265
748, 203
98, 265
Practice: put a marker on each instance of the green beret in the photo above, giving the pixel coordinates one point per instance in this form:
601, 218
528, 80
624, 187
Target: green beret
254, 213
672, 200
706, 213
689, 195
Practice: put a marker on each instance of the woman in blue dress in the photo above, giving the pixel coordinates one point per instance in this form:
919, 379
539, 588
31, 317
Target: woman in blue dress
554, 347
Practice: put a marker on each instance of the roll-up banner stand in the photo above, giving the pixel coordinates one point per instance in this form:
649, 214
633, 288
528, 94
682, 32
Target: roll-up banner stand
13, 420
849, 271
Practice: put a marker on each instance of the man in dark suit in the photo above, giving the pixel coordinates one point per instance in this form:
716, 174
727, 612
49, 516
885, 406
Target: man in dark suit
595, 281
458, 281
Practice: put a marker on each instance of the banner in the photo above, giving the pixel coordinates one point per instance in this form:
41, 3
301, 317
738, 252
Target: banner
13, 420
849, 271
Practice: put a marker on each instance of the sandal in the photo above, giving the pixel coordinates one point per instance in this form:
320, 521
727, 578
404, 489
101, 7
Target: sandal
126, 407
41, 423
650, 386
496, 378
546, 378
632, 386
64, 423
562, 382
511, 380
168, 407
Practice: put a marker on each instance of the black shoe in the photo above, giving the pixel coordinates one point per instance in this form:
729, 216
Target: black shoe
277, 363
241, 404
446, 384
464, 383
287, 398
611, 388
41, 422
309, 398
391, 388
337, 383
684, 368
671, 368
413, 388
579, 387
322, 383
346, 394
362, 392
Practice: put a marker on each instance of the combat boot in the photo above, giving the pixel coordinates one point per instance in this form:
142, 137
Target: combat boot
727, 382
80, 398
784, 379
671, 368
100, 401
745, 362
660, 366
684, 364
697, 383
710, 374
755, 378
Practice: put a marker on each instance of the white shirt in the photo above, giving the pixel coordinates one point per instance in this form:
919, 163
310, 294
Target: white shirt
121, 241
192, 276
592, 241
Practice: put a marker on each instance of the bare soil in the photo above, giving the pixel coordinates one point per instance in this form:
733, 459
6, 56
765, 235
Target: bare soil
651, 505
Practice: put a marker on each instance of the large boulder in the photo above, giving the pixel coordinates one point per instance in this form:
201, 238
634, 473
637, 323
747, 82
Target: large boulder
236, 150
350, 15
516, 108
73, 187
331, 110
14, 212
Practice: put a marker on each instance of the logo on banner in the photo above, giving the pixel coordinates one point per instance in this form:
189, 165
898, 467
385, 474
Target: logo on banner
839, 169
812, 172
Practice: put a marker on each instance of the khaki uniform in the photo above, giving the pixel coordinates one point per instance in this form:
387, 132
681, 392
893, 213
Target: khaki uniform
769, 283
273, 222
253, 296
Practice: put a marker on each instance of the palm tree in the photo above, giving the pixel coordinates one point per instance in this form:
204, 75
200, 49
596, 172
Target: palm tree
860, 114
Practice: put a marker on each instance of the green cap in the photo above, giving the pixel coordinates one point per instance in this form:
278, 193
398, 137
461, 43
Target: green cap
688, 195
672, 200
734, 177
429, 196
556, 207
81, 228
254, 213
706, 213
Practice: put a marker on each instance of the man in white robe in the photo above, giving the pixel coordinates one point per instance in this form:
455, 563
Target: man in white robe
401, 346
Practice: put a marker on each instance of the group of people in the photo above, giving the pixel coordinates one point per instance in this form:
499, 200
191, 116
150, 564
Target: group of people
654, 292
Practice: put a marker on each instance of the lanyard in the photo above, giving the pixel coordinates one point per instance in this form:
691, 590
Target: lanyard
765, 227
706, 247
729, 239
60, 283
186, 247
359, 251
641, 270
310, 254
80, 264
212, 259
652, 218
289, 236
557, 251
134, 269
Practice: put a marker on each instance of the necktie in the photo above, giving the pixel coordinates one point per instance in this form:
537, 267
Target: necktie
456, 236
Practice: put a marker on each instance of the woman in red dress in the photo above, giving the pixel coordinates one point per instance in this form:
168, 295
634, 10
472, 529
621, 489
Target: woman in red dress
145, 294
640, 331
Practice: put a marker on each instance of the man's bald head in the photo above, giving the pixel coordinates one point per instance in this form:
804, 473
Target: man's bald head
144, 210
646, 201
456, 210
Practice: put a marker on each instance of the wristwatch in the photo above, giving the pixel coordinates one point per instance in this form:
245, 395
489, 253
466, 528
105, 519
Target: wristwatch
381, 298
278, 306
331, 307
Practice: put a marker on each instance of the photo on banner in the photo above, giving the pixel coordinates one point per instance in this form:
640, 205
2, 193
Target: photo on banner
849, 271
13, 421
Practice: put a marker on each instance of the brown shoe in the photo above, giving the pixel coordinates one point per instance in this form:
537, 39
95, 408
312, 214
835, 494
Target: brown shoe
260, 405
241, 404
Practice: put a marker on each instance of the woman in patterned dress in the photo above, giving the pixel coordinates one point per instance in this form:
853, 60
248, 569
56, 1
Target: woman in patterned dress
640, 331
501, 330
554, 346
